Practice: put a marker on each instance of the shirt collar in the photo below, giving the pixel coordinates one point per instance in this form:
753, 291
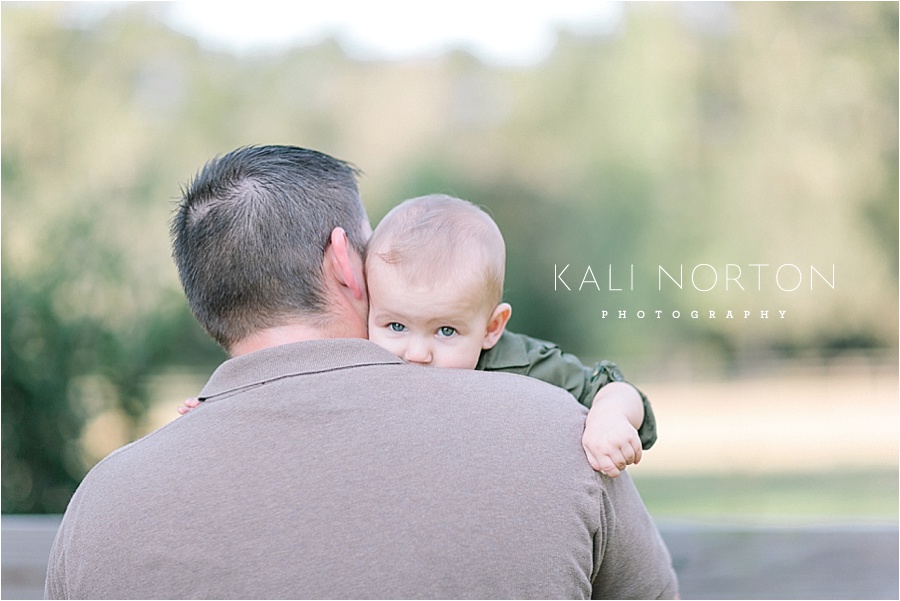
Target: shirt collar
298, 358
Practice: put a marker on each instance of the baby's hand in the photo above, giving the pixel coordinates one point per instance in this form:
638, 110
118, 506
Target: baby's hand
188, 405
610, 442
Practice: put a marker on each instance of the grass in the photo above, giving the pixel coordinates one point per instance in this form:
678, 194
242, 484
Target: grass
859, 496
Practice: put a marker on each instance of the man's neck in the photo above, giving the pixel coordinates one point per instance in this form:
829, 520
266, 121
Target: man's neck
288, 334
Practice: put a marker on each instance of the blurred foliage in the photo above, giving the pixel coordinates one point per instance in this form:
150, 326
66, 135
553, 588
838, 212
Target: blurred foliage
76, 347
772, 498
742, 133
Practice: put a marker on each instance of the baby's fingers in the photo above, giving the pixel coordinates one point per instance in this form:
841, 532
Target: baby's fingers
609, 470
600, 462
189, 404
637, 455
630, 448
613, 463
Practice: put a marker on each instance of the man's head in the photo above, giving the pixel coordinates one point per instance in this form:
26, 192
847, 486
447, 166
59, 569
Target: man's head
251, 235
435, 268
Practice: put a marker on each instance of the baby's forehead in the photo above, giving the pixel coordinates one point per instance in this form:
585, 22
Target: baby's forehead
432, 260
456, 271
435, 224
466, 286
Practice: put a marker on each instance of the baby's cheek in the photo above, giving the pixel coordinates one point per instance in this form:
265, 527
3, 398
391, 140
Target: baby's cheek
377, 336
459, 358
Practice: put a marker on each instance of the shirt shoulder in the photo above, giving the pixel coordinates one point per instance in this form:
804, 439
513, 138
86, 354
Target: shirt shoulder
514, 353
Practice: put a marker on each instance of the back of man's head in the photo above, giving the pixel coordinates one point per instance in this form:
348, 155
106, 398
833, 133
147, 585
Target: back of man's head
250, 233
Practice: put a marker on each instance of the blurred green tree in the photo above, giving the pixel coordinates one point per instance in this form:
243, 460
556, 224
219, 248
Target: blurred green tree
74, 347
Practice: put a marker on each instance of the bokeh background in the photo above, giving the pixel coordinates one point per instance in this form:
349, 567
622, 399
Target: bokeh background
673, 134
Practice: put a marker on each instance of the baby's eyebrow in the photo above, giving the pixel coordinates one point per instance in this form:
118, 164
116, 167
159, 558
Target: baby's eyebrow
448, 322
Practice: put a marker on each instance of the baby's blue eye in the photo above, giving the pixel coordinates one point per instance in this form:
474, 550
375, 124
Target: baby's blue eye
396, 327
447, 331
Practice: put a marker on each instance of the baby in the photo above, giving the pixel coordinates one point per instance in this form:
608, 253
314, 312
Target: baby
434, 270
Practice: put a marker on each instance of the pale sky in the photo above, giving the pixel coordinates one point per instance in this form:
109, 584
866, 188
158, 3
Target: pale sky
498, 31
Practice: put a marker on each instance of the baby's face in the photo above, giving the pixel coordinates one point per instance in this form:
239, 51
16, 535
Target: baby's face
440, 326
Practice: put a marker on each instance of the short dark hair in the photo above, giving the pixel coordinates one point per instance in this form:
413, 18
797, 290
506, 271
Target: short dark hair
250, 233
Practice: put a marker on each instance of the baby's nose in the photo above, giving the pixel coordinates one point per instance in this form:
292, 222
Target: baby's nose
418, 353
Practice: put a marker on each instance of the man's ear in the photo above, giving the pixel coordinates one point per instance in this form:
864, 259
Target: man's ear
347, 264
496, 325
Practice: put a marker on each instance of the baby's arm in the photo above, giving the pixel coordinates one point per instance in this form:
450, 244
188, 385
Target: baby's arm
620, 423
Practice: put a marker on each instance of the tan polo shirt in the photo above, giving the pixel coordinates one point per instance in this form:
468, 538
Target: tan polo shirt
330, 469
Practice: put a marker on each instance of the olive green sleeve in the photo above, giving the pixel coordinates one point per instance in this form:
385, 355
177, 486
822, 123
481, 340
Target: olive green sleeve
519, 354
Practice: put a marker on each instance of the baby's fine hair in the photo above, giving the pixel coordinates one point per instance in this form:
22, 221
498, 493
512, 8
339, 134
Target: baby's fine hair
434, 237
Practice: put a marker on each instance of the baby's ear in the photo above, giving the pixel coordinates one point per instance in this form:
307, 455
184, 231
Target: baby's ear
496, 325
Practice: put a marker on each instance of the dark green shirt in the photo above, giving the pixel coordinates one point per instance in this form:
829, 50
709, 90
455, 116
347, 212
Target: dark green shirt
519, 354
